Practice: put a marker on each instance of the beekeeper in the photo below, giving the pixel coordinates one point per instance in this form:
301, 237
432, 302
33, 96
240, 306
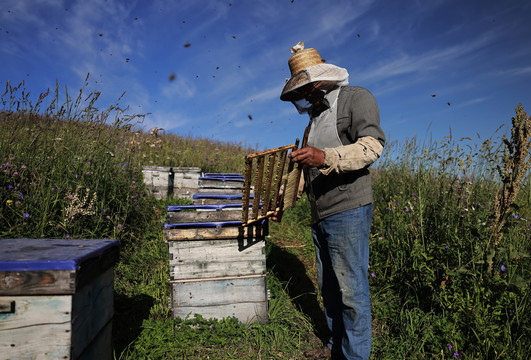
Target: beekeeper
344, 139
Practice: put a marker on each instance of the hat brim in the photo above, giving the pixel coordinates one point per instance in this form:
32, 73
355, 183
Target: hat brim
316, 73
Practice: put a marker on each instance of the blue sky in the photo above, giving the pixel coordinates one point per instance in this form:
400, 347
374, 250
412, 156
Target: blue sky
432, 65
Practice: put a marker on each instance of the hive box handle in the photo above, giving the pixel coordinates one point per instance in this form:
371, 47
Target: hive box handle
7, 307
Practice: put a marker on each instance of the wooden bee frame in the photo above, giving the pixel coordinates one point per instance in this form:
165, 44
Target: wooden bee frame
265, 171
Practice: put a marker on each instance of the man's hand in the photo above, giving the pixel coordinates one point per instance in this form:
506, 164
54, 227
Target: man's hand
277, 216
308, 156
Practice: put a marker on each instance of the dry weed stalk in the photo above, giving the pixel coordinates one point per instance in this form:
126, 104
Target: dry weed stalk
515, 163
80, 206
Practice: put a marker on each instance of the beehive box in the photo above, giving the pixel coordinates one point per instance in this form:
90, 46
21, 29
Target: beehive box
220, 183
218, 198
217, 267
56, 298
166, 181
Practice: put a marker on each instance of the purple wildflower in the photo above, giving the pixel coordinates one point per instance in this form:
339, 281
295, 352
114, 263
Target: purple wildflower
450, 346
456, 355
502, 268
373, 275
26, 215
67, 236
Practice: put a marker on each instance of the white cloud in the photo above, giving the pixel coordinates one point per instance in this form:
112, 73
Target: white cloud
471, 102
421, 63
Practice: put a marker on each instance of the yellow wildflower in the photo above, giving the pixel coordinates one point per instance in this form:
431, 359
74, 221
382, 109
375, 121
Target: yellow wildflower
9, 202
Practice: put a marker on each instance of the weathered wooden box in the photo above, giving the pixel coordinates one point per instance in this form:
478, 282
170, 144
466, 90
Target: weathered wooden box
220, 183
56, 298
166, 181
218, 198
217, 266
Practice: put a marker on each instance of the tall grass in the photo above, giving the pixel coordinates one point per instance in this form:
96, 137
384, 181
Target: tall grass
66, 176
438, 289
73, 170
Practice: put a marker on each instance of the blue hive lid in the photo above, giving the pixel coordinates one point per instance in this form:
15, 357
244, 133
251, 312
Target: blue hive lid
50, 254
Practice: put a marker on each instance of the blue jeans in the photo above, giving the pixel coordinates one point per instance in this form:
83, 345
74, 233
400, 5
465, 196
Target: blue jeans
342, 252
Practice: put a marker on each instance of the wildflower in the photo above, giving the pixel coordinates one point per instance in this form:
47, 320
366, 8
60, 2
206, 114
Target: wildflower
373, 275
450, 346
446, 247
516, 216
108, 217
10, 186
26, 215
119, 226
502, 268
70, 197
456, 355
67, 236
9, 202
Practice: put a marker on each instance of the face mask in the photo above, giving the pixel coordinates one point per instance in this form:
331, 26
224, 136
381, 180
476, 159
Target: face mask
302, 106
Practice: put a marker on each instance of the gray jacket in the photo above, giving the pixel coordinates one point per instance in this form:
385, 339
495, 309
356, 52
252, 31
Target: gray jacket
357, 116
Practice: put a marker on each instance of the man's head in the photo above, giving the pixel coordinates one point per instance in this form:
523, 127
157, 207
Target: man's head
313, 92
311, 77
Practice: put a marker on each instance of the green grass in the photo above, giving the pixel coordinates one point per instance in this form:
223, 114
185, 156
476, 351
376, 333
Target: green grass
449, 262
